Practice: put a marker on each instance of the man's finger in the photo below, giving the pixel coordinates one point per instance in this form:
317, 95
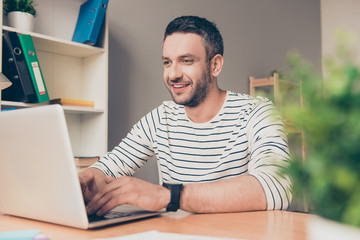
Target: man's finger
109, 179
102, 197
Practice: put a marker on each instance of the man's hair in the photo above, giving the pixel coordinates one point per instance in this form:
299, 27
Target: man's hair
213, 41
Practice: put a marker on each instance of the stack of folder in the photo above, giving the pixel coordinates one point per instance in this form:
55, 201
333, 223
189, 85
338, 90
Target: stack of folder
90, 20
72, 102
21, 66
85, 162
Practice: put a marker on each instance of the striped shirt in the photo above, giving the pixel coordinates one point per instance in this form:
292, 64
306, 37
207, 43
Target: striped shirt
245, 137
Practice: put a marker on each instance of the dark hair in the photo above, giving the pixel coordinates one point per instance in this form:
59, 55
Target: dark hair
213, 41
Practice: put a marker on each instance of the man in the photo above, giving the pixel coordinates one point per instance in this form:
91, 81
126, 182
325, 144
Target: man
218, 151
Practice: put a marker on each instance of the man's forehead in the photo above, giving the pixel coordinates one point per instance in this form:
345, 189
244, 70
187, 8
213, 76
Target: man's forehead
179, 44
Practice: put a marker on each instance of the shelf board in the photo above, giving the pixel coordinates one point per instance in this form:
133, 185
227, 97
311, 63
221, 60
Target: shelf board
67, 109
82, 110
59, 46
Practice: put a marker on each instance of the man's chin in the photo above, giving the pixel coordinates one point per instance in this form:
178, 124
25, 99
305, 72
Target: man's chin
179, 100
186, 103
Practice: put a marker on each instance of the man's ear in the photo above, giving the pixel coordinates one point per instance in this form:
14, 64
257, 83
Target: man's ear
216, 65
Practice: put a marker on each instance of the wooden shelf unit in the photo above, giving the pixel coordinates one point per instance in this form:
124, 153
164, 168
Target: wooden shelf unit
279, 91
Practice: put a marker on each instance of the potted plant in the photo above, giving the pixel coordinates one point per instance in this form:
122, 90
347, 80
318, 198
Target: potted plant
20, 13
330, 119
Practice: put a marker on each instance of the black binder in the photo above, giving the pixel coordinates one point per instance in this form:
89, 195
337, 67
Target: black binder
15, 69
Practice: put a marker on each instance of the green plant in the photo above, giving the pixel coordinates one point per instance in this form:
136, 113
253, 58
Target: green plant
27, 6
330, 119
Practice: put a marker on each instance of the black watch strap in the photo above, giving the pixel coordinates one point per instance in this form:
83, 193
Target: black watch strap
175, 190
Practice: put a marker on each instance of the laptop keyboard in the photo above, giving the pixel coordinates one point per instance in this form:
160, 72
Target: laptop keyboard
109, 215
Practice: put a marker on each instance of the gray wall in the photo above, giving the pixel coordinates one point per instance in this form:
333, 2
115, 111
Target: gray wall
257, 35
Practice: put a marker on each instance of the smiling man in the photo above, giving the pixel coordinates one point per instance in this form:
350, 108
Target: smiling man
218, 151
190, 75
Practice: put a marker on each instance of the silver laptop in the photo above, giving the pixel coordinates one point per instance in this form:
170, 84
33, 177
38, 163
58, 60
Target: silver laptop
38, 177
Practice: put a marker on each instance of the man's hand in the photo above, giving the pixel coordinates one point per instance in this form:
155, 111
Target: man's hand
91, 181
131, 191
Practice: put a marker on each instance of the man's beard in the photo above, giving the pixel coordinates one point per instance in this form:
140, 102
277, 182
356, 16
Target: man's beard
200, 93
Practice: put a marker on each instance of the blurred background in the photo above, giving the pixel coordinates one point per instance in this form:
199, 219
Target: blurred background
257, 37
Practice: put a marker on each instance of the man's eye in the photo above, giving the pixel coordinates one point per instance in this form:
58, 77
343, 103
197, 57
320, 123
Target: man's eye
166, 63
188, 61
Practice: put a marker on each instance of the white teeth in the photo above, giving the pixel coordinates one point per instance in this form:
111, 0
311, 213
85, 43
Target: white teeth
179, 86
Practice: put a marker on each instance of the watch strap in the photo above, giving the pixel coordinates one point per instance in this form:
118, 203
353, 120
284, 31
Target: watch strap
175, 190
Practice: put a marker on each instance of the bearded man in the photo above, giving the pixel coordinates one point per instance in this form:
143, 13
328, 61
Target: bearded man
218, 151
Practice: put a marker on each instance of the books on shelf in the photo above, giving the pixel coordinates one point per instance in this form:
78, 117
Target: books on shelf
90, 19
72, 102
85, 162
85, 106
22, 67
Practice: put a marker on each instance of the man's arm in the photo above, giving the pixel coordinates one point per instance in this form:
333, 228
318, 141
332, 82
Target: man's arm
269, 153
243, 193
130, 191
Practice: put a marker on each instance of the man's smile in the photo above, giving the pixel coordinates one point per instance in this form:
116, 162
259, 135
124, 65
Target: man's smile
179, 87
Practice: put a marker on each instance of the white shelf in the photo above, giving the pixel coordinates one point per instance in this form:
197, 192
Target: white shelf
59, 46
67, 109
71, 70
82, 110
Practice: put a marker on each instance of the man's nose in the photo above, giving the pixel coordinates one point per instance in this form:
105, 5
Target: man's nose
175, 72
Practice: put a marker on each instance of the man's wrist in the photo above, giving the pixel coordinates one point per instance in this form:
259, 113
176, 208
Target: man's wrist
175, 193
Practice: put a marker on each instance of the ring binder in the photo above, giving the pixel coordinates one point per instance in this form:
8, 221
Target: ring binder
34, 68
16, 70
91, 17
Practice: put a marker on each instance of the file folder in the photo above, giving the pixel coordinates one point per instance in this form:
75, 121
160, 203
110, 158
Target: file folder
90, 19
34, 68
72, 102
15, 69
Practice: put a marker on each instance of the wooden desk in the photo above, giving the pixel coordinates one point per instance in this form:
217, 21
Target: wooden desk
247, 225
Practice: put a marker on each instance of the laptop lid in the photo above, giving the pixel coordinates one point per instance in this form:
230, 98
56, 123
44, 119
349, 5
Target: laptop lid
38, 177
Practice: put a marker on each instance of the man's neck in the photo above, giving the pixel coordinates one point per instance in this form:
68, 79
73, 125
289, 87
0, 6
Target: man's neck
209, 108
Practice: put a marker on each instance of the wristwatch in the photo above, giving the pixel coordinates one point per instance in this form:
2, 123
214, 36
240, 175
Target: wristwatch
175, 190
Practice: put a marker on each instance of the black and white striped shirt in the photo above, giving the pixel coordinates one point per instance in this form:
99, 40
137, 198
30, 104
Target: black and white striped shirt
245, 137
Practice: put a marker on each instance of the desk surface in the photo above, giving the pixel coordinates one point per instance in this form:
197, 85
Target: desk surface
246, 225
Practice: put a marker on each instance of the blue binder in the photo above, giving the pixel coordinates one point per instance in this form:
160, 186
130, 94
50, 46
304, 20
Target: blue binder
91, 17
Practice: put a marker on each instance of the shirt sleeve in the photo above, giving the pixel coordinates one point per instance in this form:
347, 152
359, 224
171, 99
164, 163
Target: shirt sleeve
269, 153
133, 151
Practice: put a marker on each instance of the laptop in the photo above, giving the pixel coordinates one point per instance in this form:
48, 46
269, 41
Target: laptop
38, 176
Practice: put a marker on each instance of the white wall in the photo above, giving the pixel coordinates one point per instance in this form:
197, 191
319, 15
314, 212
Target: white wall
257, 37
339, 15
